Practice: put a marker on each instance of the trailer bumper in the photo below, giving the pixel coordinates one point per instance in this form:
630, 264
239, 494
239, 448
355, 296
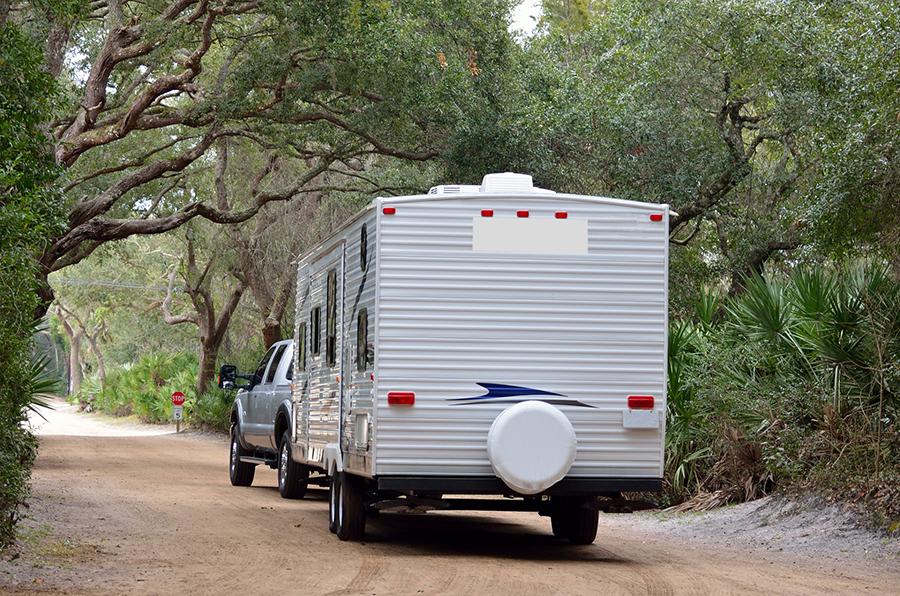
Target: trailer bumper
483, 485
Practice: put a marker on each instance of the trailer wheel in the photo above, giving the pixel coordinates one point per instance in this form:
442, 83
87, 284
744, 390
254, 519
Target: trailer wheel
572, 520
350, 517
293, 477
558, 524
583, 522
334, 488
241, 473
561, 512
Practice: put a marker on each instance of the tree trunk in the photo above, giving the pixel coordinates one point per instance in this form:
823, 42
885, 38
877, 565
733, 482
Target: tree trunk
271, 332
74, 360
209, 353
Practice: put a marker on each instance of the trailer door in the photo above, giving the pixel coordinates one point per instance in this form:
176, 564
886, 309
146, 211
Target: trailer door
326, 350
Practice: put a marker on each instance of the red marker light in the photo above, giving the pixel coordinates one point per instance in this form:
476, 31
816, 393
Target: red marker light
656, 217
522, 213
561, 215
640, 402
397, 398
389, 210
487, 213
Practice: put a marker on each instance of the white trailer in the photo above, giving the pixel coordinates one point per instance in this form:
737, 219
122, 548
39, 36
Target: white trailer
484, 340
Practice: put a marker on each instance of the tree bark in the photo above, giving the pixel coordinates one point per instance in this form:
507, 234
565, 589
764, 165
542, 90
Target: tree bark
74, 360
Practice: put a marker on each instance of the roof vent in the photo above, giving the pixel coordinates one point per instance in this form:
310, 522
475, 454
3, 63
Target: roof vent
507, 183
454, 189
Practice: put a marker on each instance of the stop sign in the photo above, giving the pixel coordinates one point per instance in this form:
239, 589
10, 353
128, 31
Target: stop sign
178, 398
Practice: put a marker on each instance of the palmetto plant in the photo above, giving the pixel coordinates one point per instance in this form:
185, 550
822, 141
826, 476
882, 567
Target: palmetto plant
804, 370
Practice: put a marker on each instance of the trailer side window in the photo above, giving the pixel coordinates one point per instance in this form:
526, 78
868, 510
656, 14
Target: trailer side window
315, 318
363, 247
301, 347
362, 340
331, 320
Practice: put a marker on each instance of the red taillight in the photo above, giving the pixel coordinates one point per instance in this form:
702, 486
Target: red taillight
522, 213
389, 210
397, 398
561, 215
487, 213
656, 217
640, 402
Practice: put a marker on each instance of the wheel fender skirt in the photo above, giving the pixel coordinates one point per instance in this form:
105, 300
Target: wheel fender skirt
334, 463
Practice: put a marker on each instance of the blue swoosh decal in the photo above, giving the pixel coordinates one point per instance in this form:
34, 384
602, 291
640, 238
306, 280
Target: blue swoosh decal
499, 392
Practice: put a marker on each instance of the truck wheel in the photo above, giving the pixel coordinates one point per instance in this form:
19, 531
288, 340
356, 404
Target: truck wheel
583, 522
241, 473
334, 488
350, 517
293, 477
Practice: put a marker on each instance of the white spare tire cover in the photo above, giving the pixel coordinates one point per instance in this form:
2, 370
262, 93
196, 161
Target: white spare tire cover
531, 446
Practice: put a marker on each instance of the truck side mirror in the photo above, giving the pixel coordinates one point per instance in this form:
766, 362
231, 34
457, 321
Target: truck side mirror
227, 376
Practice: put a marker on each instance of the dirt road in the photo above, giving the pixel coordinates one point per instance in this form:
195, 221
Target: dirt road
125, 513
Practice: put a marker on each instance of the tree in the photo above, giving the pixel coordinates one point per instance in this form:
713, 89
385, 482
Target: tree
211, 316
28, 215
159, 84
706, 106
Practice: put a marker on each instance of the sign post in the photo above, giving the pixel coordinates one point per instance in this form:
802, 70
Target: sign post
178, 409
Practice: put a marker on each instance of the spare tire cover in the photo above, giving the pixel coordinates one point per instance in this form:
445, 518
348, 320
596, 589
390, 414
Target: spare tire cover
531, 446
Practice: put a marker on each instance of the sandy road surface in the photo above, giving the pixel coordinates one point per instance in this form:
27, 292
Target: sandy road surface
125, 513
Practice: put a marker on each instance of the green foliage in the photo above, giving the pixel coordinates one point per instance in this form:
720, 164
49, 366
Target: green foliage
29, 213
797, 383
144, 389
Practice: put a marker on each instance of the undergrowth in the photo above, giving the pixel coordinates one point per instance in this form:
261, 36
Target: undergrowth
144, 389
794, 382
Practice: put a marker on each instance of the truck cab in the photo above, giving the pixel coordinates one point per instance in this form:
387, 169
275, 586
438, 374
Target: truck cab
261, 421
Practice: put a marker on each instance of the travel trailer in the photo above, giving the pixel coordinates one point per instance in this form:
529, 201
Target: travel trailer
481, 342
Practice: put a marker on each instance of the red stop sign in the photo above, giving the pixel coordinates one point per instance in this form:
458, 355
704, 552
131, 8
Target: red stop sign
178, 398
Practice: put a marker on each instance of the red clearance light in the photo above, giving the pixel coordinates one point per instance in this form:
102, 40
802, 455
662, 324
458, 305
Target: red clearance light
522, 213
389, 210
640, 402
487, 213
397, 398
561, 215
656, 217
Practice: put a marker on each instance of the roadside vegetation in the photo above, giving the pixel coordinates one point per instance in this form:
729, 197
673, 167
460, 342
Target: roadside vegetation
162, 165
794, 382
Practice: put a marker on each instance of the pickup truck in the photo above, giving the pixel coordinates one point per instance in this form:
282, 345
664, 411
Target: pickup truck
261, 421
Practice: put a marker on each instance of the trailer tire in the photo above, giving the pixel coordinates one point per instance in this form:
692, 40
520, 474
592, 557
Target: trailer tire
334, 489
350, 518
582, 523
558, 524
241, 473
293, 477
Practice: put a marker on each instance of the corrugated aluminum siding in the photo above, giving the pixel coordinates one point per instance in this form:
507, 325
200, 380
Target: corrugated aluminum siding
591, 328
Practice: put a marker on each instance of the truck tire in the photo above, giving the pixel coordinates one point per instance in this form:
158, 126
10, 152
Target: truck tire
293, 477
350, 517
241, 473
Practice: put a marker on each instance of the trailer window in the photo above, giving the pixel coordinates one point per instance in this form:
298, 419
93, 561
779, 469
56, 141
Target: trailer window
362, 340
331, 320
315, 327
301, 347
363, 247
